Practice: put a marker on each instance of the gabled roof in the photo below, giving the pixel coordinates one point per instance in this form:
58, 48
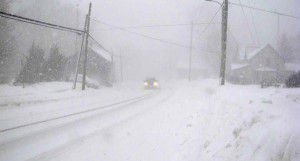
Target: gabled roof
238, 66
101, 52
255, 52
243, 53
245, 50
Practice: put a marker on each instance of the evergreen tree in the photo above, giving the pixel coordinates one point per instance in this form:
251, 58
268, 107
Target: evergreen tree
31, 71
55, 64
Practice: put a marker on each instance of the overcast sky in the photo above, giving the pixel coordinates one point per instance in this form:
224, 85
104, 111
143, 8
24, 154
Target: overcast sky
155, 12
147, 56
262, 26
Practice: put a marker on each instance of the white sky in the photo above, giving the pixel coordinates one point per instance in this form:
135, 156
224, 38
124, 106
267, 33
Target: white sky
144, 57
154, 12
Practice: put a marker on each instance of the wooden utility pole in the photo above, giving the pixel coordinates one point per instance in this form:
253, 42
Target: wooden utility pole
86, 47
191, 52
224, 41
278, 29
76, 26
79, 55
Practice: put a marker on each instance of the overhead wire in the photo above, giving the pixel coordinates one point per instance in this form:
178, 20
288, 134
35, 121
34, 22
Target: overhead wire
101, 46
142, 35
152, 26
254, 26
250, 32
153, 38
210, 22
264, 10
39, 23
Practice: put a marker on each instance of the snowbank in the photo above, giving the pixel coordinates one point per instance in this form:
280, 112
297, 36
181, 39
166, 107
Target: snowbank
183, 121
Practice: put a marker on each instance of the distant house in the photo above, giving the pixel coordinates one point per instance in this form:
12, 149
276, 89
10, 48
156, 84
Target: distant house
261, 65
99, 66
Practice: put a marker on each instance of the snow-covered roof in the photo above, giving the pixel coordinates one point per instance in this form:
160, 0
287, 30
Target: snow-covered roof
238, 66
292, 67
243, 53
101, 52
255, 52
266, 69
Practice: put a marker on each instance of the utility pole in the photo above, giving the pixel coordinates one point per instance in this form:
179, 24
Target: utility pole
278, 29
191, 51
121, 66
224, 41
79, 55
86, 47
76, 26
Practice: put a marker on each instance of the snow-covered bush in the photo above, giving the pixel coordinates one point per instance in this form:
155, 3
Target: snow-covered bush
293, 80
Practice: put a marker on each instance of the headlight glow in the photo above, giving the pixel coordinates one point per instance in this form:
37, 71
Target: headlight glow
146, 83
155, 84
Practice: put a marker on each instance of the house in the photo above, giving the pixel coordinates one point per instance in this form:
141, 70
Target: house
99, 65
260, 65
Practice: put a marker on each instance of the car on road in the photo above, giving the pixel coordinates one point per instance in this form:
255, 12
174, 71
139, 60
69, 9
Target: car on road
150, 83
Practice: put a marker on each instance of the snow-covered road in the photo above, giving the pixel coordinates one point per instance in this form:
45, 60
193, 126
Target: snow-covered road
181, 121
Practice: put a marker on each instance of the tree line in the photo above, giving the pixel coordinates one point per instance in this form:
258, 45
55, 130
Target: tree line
16, 36
36, 67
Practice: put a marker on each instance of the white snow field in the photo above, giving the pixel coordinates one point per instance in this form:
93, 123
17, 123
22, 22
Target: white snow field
198, 121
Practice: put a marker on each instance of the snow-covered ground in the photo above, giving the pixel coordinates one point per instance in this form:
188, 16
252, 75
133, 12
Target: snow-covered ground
179, 122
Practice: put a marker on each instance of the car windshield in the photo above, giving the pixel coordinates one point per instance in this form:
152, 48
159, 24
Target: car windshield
149, 80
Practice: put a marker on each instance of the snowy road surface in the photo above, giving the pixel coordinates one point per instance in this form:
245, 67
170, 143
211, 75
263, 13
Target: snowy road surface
179, 122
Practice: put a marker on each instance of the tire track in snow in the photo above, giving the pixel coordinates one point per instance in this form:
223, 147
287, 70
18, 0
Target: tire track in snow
68, 133
132, 100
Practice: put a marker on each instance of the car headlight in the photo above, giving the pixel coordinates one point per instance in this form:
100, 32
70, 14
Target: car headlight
155, 84
146, 83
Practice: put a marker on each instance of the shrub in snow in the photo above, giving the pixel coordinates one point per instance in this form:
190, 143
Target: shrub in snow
293, 80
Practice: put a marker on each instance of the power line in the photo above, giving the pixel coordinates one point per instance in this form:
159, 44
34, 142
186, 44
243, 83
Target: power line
101, 46
263, 10
210, 22
40, 23
11, 18
142, 35
153, 38
252, 17
152, 26
246, 22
